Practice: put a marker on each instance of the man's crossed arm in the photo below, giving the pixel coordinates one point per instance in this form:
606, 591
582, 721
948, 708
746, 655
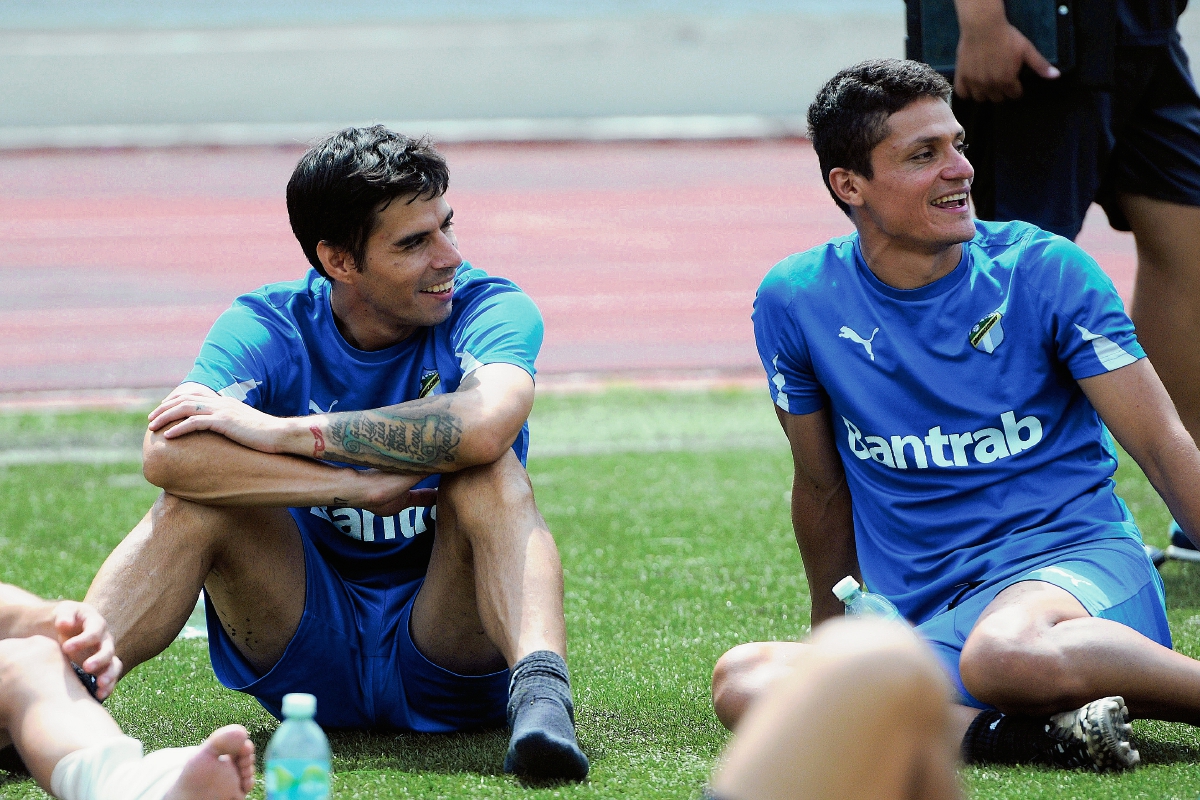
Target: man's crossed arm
259, 459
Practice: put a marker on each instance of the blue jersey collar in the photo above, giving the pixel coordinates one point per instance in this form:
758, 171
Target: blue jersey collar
938, 287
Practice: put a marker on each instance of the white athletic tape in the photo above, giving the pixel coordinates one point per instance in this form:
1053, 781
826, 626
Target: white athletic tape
117, 770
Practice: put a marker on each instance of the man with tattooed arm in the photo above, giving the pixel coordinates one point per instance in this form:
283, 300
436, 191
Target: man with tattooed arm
343, 474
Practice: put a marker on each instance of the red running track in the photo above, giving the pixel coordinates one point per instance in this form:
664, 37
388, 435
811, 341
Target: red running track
643, 257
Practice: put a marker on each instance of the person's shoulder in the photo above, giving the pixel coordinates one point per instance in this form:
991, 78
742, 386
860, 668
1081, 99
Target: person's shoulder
809, 270
473, 286
999, 236
283, 298
1039, 262
1023, 239
1029, 249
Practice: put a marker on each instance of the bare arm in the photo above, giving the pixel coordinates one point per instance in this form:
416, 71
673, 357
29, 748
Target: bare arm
448, 432
991, 53
821, 512
211, 469
1136, 408
443, 433
24, 614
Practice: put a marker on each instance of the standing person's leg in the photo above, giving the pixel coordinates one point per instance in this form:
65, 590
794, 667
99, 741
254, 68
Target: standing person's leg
1166, 296
493, 595
1153, 189
864, 711
73, 748
249, 560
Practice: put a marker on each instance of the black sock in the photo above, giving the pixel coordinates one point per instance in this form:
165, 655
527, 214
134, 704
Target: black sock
542, 719
997, 738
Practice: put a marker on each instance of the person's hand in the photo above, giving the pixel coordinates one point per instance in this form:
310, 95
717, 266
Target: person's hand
233, 419
85, 640
989, 62
390, 493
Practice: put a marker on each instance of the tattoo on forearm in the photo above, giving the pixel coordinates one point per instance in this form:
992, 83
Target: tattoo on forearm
431, 440
318, 442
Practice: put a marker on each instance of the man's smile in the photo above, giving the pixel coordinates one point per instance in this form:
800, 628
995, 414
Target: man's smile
955, 200
439, 288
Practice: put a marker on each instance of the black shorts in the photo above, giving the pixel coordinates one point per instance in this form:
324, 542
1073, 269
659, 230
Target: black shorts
1047, 157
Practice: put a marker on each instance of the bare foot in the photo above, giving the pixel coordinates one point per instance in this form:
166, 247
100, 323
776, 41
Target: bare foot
222, 769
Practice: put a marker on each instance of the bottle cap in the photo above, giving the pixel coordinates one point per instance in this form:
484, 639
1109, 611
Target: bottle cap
299, 704
842, 590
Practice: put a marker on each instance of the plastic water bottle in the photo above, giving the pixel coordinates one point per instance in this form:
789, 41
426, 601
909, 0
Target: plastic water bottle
864, 604
298, 754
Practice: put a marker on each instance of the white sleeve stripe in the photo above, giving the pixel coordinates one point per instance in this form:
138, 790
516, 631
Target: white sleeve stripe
241, 390
468, 363
1110, 354
781, 398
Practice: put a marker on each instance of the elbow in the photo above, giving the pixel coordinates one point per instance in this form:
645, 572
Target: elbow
486, 448
165, 462
156, 459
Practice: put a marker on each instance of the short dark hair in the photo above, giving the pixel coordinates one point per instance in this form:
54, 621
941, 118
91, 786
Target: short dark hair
849, 116
343, 182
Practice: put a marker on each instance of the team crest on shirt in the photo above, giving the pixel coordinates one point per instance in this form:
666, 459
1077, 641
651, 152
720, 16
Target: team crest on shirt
429, 381
987, 333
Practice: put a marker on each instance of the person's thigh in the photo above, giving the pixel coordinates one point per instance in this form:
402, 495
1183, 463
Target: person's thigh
256, 585
353, 650
324, 653
445, 622
417, 694
746, 672
1111, 580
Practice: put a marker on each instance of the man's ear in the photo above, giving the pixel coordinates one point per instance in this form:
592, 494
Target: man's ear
338, 263
847, 185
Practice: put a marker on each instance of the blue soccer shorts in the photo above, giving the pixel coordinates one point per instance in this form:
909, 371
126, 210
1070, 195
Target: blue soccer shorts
1112, 578
353, 650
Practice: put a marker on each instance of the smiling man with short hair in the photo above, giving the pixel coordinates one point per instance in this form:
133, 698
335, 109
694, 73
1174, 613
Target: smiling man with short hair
343, 474
948, 387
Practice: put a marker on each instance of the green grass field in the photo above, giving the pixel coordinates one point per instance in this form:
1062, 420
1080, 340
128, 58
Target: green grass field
670, 513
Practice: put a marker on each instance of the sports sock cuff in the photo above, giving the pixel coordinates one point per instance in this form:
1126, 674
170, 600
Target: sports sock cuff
997, 738
540, 662
541, 674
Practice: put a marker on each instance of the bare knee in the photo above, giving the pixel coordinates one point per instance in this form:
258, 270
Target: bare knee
1015, 666
171, 514
487, 491
203, 531
740, 676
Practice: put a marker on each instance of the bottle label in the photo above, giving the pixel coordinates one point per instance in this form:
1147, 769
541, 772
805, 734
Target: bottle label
297, 779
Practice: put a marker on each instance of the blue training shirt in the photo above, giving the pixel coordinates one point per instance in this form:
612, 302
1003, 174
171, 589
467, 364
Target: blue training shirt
967, 442
279, 350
